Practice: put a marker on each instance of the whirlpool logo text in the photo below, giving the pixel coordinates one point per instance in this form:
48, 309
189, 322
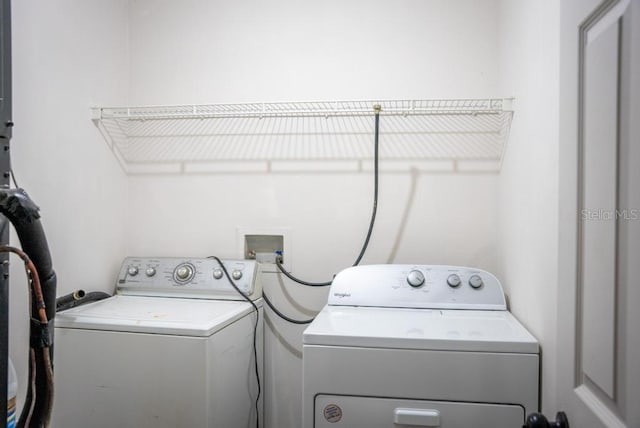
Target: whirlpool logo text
342, 295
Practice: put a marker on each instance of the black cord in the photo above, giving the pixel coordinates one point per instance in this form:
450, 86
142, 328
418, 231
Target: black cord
255, 333
283, 316
371, 222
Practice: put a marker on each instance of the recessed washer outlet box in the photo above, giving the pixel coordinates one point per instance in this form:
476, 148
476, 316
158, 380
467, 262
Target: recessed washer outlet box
263, 248
263, 242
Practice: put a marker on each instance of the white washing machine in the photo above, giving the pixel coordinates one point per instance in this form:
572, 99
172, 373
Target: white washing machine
411, 345
173, 348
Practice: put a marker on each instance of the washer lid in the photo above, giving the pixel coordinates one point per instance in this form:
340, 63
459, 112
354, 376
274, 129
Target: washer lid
398, 328
160, 315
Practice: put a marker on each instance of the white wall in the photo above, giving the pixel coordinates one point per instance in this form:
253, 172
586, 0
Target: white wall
68, 55
199, 51
528, 208
325, 215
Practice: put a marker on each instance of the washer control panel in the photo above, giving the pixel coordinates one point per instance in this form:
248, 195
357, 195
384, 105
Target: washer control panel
183, 277
417, 286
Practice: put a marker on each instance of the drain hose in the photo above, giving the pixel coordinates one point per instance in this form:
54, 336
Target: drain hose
24, 215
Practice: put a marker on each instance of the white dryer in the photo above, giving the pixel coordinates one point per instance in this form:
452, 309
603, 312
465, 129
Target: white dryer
418, 346
173, 348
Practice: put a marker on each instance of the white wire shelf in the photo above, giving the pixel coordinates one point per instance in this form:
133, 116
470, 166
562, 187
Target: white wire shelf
442, 134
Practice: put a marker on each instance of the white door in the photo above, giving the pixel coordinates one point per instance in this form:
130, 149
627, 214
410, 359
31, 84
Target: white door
599, 273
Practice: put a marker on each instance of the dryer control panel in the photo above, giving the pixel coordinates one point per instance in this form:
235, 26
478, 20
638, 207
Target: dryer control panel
417, 286
185, 277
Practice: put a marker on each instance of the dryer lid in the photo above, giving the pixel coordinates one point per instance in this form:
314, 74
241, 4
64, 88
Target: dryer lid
428, 329
159, 315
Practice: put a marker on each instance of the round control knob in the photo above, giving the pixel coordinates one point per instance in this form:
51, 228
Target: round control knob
415, 278
217, 273
236, 274
475, 281
150, 271
133, 270
453, 280
183, 273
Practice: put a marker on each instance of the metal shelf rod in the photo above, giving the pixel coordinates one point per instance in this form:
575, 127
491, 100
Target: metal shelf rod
306, 109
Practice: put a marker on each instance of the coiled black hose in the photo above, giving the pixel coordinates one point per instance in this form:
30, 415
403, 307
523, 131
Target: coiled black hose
24, 215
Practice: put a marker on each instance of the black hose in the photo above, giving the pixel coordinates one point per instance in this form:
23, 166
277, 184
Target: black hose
375, 190
24, 214
79, 298
69, 298
376, 110
283, 316
298, 280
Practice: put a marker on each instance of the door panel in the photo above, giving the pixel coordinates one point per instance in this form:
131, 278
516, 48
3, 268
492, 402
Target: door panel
599, 200
599, 346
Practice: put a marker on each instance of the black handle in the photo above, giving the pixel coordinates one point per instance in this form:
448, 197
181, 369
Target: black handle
538, 420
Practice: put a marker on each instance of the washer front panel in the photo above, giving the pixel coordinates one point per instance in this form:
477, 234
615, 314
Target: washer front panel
107, 379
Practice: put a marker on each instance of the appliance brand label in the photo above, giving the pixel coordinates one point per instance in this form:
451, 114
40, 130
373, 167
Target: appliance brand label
341, 295
332, 413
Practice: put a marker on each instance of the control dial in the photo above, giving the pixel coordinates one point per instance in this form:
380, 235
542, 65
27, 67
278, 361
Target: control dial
133, 270
217, 273
475, 281
453, 280
415, 278
151, 271
183, 273
236, 274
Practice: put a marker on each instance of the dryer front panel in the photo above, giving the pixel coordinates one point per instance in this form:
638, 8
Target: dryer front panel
336, 411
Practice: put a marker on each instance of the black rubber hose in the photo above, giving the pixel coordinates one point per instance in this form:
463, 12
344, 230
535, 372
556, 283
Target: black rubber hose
79, 298
24, 215
283, 316
298, 280
374, 210
69, 298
